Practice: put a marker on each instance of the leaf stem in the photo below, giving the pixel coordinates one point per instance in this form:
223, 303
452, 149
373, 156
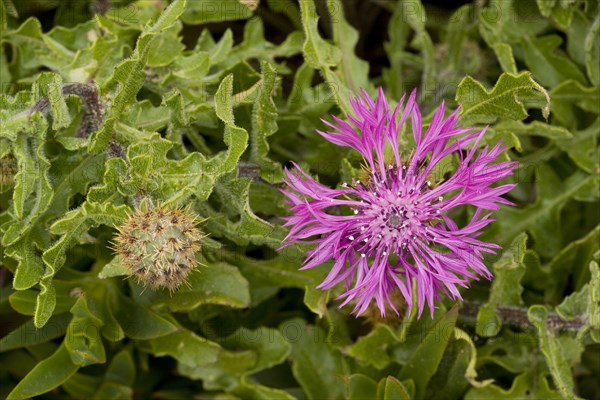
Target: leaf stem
517, 317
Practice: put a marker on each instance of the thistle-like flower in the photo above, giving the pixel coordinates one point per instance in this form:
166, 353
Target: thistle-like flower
158, 245
393, 226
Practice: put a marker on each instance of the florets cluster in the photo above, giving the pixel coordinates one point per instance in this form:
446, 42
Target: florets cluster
159, 245
393, 227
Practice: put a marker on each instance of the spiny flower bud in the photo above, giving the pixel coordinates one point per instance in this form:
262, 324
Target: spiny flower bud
158, 245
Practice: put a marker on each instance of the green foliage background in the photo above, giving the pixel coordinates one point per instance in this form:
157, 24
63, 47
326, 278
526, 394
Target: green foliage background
105, 103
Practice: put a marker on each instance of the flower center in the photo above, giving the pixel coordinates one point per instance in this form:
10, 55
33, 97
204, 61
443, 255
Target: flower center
394, 221
394, 215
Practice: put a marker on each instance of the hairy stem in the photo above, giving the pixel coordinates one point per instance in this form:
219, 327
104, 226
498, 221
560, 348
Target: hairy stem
517, 317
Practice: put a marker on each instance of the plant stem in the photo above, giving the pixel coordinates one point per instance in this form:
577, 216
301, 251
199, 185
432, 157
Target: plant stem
517, 317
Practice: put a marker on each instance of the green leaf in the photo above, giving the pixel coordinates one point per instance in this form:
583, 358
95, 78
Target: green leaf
317, 52
129, 75
271, 347
374, 348
505, 56
360, 386
204, 11
31, 267
568, 97
505, 100
506, 287
315, 365
592, 52
548, 67
583, 147
33, 177
398, 31
572, 260
84, 341
218, 283
27, 335
470, 372
249, 351
542, 219
415, 16
391, 388
428, 354
45, 376
264, 124
74, 224
140, 323
235, 138
525, 386
113, 268
508, 21
534, 128
354, 71
553, 352
51, 87
186, 347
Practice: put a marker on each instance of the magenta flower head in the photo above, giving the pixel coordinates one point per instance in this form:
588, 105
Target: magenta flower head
394, 227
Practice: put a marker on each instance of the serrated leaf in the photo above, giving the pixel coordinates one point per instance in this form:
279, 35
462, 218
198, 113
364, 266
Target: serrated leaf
31, 267
51, 86
204, 11
317, 52
525, 386
74, 224
553, 352
264, 124
506, 287
33, 177
505, 100
129, 75
235, 138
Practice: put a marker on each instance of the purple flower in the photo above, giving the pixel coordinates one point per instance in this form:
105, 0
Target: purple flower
394, 227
